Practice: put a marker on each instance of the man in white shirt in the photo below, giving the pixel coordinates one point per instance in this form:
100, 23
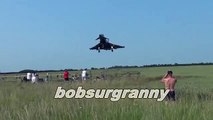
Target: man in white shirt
84, 74
34, 78
29, 76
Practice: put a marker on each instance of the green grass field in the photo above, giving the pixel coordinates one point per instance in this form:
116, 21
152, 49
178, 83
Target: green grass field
194, 89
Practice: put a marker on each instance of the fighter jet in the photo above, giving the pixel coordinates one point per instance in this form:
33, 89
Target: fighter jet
105, 44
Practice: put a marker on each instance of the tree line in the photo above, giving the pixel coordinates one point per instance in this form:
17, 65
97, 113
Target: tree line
113, 67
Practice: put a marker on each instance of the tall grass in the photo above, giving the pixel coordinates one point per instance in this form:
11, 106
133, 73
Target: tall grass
26, 101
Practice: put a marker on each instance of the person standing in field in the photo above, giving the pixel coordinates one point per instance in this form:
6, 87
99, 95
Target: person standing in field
29, 76
34, 77
66, 75
47, 77
169, 82
84, 75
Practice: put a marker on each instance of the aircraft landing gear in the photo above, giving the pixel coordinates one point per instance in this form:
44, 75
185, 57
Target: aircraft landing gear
99, 49
112, 48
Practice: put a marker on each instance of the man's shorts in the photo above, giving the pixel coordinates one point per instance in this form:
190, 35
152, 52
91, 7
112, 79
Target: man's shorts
171, 95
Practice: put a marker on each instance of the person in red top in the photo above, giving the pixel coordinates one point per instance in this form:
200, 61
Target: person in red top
66, 75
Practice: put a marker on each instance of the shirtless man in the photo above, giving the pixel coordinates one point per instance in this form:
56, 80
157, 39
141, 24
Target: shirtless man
169, 82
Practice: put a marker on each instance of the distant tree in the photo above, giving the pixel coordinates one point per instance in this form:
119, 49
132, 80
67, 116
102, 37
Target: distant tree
26, 71
92, 68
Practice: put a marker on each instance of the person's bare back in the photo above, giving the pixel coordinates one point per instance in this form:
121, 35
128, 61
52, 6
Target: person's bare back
169, 83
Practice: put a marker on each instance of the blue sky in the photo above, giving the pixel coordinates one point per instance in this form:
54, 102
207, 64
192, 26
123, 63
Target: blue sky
53, 34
